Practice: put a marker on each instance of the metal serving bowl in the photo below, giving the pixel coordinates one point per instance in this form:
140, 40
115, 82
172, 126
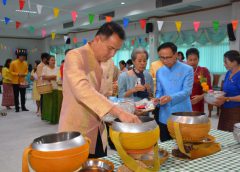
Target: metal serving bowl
58, 141
189, 117
194, 126
236, 132
146, 125
97, 165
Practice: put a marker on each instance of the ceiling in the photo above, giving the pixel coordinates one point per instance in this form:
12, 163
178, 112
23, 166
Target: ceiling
132, 9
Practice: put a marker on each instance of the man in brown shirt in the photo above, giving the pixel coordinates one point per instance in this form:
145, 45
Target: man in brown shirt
83, 106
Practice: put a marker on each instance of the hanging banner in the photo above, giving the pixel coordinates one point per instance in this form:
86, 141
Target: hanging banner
39, 8
53, 34
215, 25
125, 22
56, 12
4, 2
143, 23
18, 24
178, 25
196, 25
74, 15
108, 19
44, 32
7, 20
235, 24
91, 18
160, 25
21, 4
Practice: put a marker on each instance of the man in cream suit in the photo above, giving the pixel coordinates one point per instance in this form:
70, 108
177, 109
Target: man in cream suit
83, 105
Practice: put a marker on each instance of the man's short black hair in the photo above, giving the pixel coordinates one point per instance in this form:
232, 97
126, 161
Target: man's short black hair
110, 28
45, 56
191, 51
66, 51
170, 45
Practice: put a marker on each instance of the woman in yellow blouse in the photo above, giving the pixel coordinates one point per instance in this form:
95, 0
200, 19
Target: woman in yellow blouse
8, 96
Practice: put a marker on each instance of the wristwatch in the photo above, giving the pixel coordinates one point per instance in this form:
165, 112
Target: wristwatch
228, 99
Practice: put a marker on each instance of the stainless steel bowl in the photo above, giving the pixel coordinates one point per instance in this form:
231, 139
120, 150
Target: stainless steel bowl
97, 165
146, 125
236, 132
58, 141
189, 117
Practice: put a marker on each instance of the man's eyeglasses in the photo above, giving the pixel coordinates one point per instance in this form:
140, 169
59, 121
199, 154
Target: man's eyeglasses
166, 58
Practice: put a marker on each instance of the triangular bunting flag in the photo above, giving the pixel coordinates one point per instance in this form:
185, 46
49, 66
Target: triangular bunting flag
31, 29
4, 2
91, 18
18, 24
196, 25
215, 25
160, 25
21, 4
65, 38
125, 22
74, 40
108, 19
234, 24
7, 20
74, 15
56, 12
39, 8
44, 32
178, 25
84, 41
143, 23
53, 34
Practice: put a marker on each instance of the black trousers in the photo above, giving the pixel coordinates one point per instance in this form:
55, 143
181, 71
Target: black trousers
16, 90
164, 133
110, 143
99, 152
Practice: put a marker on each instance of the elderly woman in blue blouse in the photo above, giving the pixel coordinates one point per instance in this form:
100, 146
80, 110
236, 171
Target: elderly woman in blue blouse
136, 83
230, 110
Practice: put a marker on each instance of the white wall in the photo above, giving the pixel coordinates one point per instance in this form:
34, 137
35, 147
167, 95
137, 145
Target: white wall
9, 45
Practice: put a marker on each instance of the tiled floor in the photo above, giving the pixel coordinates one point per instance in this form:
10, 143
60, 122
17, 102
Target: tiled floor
17, 131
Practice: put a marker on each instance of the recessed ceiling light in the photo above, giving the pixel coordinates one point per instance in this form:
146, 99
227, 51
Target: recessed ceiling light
123, 3
25, 11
